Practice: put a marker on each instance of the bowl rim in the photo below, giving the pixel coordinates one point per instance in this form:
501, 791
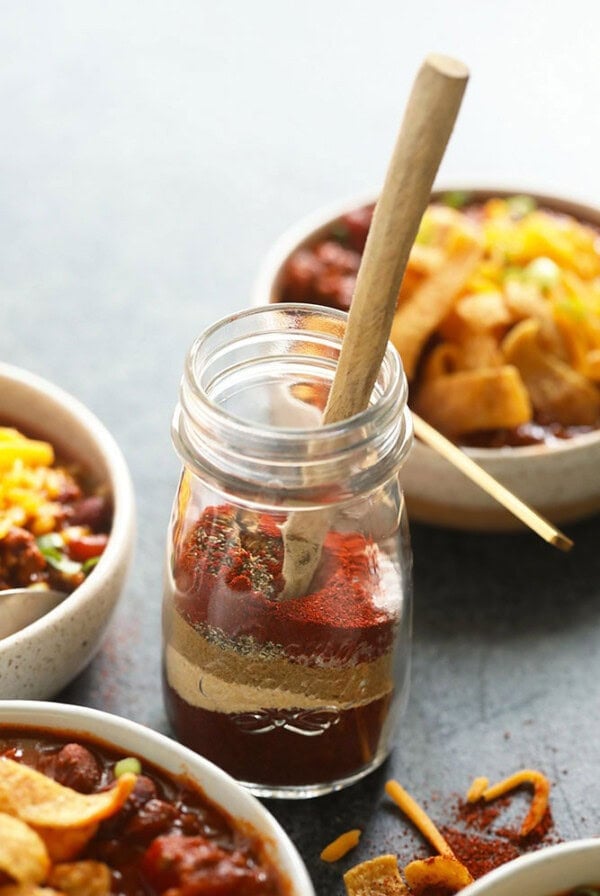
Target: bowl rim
531, 860
319, 219
121, 486
72, 717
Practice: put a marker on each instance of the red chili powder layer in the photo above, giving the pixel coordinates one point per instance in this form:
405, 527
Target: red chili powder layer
228, 574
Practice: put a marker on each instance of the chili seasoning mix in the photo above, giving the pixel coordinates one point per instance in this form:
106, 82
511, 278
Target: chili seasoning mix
293, 696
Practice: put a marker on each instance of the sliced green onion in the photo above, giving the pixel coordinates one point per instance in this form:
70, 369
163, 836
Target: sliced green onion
519, 206
456, 198
131, 765
543, 271
89, 564
62, 563
339, 232
512, 272
53, 540
52, 548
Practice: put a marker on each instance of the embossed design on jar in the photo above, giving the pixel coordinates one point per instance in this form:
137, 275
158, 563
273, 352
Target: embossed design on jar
309, 722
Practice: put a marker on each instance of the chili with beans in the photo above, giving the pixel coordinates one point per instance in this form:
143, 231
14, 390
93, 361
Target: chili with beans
167, 838
323, 271
54, 525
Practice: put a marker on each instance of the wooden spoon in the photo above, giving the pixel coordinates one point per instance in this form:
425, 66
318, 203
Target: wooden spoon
428, 121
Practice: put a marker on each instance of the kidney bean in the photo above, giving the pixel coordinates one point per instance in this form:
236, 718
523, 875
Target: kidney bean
357, 223
76, 767
153, 818
332, 255
300, 273
335, 289
93, 511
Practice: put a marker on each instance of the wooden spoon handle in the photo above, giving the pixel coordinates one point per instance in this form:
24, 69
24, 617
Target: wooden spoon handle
428, 121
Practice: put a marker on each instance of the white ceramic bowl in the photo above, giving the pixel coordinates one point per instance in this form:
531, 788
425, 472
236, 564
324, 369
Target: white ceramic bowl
43, 657
174, 759
552, 871
560, 480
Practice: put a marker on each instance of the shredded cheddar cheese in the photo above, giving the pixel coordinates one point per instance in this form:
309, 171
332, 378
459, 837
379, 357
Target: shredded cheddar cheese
338, 848
29, 483
418, 816
476, 790
443, 870
539, 802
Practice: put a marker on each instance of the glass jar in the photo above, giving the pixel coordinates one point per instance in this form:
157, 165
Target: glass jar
297, 696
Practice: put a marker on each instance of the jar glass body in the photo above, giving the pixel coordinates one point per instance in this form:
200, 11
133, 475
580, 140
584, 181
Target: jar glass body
292, 696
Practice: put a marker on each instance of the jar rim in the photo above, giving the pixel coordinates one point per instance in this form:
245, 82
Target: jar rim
391, 366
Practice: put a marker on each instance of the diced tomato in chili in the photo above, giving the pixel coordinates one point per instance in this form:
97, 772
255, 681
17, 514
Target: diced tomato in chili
86, 547
195, 866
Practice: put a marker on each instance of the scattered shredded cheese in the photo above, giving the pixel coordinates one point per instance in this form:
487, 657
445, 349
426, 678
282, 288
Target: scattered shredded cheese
338, 848
475, 791
444, 870
539, 803
418, 816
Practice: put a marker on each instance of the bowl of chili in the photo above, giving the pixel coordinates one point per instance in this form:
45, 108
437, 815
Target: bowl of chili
180, 825
539, 281
66, 523
566, 869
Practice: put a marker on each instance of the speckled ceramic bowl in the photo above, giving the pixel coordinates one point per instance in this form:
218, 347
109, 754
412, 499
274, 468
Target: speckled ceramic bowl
553, 871
43, 657
174, 759
561, 480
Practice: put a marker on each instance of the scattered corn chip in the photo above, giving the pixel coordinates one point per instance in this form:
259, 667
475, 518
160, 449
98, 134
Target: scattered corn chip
444, 359
23, 855
472, 279
429, 304
484, 311
28, 890
471, 400
376, 877
85, 878
64, 844
437, 871
42, 802
557, 391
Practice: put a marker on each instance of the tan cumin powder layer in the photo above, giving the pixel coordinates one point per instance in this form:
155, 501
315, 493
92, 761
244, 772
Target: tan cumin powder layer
220, 678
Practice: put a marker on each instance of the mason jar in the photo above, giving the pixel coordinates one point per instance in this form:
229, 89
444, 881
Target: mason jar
294, 695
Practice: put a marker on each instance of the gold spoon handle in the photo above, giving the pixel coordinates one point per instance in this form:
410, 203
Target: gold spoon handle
452, 453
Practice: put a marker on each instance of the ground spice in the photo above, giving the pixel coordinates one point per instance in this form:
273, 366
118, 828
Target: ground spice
481, 815
480, 854
228, 574
500, 844
481, 845
279, 692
